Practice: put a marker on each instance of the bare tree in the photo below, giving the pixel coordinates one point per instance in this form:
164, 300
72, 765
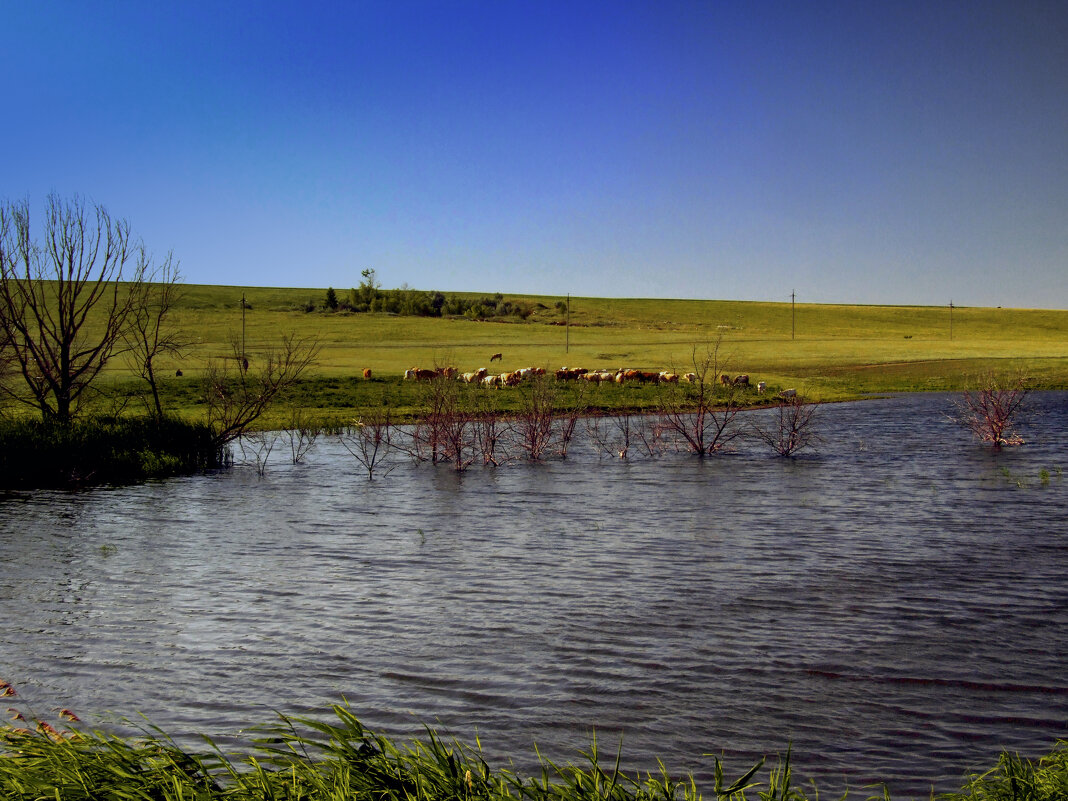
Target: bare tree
569, 416
301, 434
699, 415
992, 410
149, 335
534, 426
490, 429
370, 439
792, 426
442, 432
258, 445
65, 301
236, 397
611, 433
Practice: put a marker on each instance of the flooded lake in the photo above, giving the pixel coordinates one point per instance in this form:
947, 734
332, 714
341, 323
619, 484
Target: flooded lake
895, 605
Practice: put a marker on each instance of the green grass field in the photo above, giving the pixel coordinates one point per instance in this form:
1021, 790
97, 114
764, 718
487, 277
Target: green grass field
827, 351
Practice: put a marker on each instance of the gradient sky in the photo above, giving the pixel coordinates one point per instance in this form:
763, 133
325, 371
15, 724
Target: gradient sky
856, 152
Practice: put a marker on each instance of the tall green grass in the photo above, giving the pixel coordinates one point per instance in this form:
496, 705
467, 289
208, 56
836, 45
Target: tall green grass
308, 759
99, 450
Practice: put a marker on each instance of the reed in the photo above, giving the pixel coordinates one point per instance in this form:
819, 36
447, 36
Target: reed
302, 758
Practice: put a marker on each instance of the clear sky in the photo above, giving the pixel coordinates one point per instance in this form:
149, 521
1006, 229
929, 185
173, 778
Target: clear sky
856, 152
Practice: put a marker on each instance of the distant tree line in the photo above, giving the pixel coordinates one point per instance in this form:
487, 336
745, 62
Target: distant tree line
370, 297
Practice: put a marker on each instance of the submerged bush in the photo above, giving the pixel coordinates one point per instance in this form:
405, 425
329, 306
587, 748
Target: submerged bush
101, 450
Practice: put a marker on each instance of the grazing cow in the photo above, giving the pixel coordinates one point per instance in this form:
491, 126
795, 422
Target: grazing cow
367, 372
761, 387
669, 378
690, 378
788, 393
475, 377
178, 373
417, 374
725, 380
496, 357
446, 372
491, 380
569, 373
741, 381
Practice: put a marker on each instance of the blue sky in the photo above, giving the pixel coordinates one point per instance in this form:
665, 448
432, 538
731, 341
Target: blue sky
856, 152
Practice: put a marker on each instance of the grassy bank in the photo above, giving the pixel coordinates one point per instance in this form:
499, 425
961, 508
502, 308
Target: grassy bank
313, 760
101, 450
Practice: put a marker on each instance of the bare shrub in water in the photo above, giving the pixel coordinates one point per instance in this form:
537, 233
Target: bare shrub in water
301, 435
992, 410
491, 430
237, 394
256, 448
437, 402
369, 440
700, 415
569, 416
792, 426
615, 434
534, 427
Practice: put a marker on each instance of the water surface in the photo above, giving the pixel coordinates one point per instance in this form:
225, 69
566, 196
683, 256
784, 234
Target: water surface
895, 605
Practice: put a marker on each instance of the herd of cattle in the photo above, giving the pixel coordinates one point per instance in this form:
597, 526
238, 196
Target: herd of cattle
621, 376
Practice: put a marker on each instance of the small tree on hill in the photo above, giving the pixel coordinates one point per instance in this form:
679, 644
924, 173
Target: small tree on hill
331, 299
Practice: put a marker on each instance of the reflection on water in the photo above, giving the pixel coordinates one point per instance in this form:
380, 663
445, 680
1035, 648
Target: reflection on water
895, 606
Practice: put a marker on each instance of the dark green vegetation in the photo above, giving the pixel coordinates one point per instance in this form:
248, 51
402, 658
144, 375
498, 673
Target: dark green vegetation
370, 297
40, 453
313, 760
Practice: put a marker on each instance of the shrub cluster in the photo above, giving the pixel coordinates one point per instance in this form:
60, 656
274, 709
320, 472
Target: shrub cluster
417, 303
102, 450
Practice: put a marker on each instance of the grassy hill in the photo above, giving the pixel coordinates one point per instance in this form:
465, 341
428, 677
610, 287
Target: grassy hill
831, 351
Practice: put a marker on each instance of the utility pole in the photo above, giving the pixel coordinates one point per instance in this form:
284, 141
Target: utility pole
567, 326
793, 313
951, 321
